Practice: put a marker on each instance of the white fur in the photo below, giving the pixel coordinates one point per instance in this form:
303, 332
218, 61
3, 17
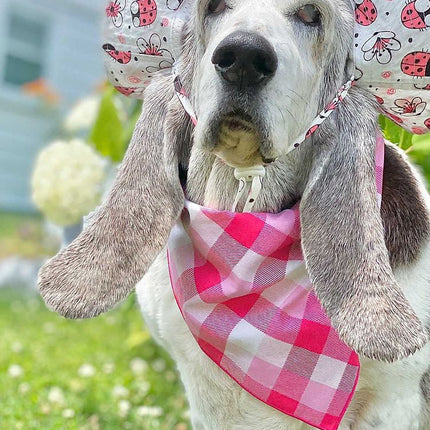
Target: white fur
388, 396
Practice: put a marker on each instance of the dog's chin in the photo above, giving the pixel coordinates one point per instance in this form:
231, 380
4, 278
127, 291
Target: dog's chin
239, 141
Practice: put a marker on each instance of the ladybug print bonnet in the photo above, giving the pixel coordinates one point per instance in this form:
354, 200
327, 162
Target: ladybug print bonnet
392, 58
391, 50
142, 37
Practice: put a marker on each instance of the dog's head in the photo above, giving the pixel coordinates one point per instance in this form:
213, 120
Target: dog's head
260, 78
257, 73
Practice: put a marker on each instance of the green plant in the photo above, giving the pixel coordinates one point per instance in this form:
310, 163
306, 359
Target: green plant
112, 129
416, 146
102, 374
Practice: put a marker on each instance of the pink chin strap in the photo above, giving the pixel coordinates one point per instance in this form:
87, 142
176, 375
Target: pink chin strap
316, 123
255, 174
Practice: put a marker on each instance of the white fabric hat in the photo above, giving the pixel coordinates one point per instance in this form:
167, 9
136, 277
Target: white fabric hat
141, 38
391, 48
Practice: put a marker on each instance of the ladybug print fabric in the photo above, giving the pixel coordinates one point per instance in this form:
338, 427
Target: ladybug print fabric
392, 57
143, 12
142, 37
365, 12
391, 50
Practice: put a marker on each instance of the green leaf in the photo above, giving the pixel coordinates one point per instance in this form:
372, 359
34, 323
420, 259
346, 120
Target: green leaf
420, 153
394, 133
107, 133
421, 143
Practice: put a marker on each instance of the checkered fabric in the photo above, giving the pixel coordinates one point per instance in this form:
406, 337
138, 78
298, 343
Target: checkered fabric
241, 284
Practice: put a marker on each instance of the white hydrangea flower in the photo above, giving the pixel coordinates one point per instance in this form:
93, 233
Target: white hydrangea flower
108, 368
83, 114
67, 181
170, 376
87, 371
17, 347
124, 407
56, 396
120, 391
143, 388
149, 411
159, 365
45, 409
15, 371
24, 388
68, 413
138, 366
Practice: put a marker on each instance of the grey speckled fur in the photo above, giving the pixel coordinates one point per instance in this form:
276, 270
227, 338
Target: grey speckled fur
343, 242
102, 266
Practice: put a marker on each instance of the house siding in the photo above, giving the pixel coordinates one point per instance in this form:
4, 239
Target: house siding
72, 66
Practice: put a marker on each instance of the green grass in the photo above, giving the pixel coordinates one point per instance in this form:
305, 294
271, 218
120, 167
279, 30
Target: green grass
23, 235
51, 350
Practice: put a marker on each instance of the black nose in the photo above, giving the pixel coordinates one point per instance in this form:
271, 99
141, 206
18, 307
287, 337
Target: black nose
245, 59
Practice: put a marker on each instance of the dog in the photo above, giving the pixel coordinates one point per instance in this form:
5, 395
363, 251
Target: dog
390, 396
256, 72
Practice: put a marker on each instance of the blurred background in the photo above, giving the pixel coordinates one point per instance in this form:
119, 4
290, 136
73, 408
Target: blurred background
63, 133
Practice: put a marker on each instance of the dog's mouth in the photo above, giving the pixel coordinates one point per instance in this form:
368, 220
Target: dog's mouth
239, 141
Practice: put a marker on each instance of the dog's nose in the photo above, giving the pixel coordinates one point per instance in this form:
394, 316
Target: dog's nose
245, 59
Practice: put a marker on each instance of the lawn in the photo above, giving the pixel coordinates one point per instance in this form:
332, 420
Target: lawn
101, 374
23, 235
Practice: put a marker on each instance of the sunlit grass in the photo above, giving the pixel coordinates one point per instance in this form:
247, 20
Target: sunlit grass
23, 235
104, 374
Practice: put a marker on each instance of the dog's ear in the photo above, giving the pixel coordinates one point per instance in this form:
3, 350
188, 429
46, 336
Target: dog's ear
343, 242
102, 266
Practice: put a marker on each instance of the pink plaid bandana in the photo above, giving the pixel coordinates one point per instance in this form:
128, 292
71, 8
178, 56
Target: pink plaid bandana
241, 284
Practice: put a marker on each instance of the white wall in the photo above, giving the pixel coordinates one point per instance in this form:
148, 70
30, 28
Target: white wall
73, 67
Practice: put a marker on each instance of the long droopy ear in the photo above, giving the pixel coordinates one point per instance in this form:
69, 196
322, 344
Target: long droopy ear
102, 266
343, 241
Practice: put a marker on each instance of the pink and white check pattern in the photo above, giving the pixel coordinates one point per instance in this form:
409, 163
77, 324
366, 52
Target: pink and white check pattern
242, 287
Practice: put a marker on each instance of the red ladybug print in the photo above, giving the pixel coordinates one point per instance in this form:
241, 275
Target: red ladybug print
416, 64
153, 47
114, 11
144, 12
416, 15
427, 123
365, 12
406, 107
123, 57
126, 91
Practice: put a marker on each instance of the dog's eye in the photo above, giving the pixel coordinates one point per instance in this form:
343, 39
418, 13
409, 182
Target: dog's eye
216, 6
309, 15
